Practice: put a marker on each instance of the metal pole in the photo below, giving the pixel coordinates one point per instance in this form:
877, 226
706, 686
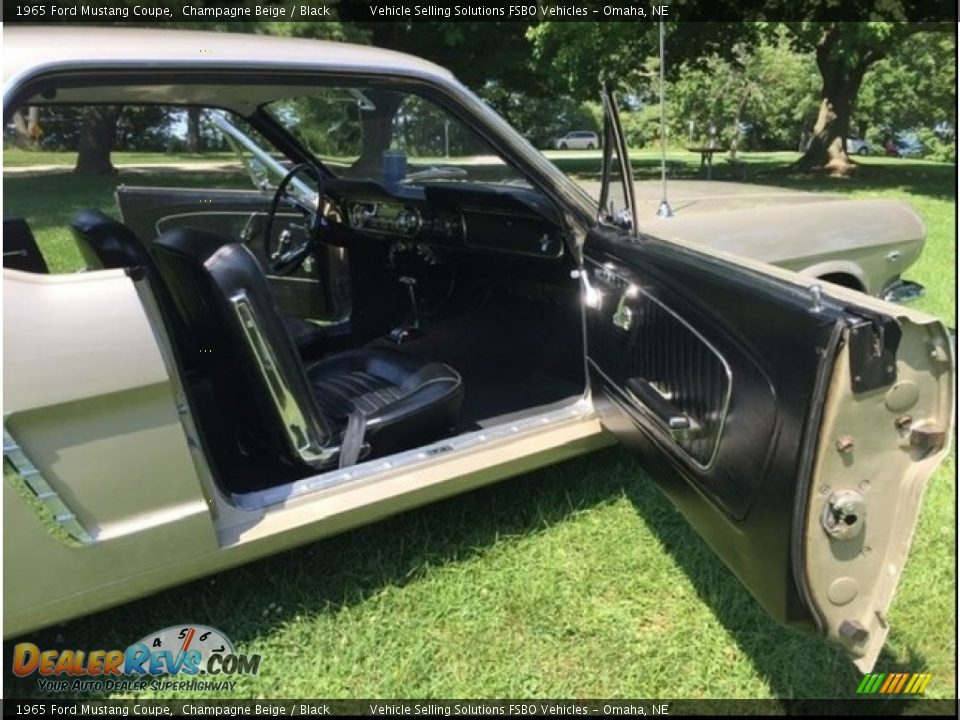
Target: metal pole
664, 209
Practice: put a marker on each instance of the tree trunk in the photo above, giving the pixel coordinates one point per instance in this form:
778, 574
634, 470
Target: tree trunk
735, 136
96, 140
193, 130
838, 95
21, 133
27, 130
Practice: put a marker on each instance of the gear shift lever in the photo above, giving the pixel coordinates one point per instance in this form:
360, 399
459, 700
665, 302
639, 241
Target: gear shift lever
411, 330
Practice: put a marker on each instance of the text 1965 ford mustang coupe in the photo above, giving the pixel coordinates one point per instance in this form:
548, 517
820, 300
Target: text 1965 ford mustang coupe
414, 302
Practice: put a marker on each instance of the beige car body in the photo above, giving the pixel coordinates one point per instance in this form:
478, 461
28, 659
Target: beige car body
864, 244
92, 410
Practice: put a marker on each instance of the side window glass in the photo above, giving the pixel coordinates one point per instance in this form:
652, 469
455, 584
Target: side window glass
59, 159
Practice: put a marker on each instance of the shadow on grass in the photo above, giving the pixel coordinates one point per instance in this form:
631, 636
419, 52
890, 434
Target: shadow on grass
342, 571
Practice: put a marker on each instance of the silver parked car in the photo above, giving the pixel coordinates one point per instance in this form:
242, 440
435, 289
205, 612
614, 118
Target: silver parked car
365, 329
857, 146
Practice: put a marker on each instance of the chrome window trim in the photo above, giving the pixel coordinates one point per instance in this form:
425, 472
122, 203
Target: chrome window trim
204, 213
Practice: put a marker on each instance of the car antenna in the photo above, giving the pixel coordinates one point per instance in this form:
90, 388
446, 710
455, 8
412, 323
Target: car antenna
663, 210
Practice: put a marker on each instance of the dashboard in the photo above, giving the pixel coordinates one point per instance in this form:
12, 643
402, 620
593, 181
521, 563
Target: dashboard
511, 220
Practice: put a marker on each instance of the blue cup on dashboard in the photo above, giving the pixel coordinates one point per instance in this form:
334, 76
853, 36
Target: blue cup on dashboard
394, 166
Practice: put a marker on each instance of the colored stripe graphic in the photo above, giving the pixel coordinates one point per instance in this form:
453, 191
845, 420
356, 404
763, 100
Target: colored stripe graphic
894, 683
870, 683
890, 679
903, 681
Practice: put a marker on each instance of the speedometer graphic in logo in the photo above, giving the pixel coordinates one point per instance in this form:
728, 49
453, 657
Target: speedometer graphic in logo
183, 638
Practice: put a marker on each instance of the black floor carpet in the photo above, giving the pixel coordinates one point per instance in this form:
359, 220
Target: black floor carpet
512, 353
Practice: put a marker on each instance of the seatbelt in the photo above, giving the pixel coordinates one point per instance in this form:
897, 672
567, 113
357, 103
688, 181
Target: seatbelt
352, 441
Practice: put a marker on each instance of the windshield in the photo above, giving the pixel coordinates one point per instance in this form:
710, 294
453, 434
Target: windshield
388, 136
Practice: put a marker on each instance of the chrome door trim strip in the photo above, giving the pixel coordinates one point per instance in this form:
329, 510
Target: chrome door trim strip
371, 470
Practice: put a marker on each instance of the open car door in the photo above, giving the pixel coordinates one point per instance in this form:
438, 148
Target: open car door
793, 425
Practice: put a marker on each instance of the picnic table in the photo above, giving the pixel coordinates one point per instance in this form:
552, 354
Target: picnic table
706, 157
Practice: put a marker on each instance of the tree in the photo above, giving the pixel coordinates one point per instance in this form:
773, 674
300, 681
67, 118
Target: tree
762, 93
193, 129
464, 48
27, 129
844, 52
99, 130
913, 88
578, 55
97, 139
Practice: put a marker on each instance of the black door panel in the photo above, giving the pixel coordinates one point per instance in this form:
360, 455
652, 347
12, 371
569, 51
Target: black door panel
673, 335
679, 379
319, 290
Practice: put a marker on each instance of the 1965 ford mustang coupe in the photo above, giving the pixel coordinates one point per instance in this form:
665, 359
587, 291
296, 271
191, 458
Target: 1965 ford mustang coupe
410, 303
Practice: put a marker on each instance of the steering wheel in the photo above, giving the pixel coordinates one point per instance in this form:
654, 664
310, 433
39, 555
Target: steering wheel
286, 257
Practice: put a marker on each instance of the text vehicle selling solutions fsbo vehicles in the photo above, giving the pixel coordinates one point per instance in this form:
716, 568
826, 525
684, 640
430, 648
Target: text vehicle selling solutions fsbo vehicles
408, 302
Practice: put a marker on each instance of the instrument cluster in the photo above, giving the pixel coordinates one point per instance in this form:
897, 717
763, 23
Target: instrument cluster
404, 220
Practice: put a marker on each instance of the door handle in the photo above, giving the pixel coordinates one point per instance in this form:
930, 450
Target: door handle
679, 426
250, 228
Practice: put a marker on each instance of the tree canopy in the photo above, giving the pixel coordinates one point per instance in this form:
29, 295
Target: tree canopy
763, 85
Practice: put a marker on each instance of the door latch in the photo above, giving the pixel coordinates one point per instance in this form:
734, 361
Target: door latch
844, 515
873, 353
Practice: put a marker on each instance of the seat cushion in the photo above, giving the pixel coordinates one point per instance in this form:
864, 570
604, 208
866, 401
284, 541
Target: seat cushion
406, 402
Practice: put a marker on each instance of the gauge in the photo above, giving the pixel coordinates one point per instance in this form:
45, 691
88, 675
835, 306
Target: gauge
181, 638
408, 221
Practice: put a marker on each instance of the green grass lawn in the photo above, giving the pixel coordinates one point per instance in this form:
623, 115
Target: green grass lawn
14, 157
579, 580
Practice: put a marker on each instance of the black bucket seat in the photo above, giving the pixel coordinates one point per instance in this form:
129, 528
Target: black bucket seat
359, 403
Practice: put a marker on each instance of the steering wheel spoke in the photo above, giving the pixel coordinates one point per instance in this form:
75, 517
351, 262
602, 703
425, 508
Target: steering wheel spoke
284, 256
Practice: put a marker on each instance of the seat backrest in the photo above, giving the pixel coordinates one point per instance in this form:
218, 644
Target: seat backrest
227, 308
106, 243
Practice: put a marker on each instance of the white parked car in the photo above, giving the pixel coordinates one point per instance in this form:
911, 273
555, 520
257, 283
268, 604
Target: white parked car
578, 140
857, 146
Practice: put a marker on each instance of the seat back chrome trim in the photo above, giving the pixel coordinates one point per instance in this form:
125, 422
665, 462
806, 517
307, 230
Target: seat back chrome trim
309, 448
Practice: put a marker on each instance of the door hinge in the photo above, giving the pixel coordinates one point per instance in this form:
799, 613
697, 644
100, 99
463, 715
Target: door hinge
873, 352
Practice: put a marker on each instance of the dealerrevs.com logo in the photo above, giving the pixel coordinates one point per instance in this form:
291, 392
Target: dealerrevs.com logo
183, 652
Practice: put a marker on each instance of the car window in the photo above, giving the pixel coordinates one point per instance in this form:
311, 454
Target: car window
389, 136
153, 145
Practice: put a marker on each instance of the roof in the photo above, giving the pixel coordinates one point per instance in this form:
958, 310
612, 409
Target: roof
29, 47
